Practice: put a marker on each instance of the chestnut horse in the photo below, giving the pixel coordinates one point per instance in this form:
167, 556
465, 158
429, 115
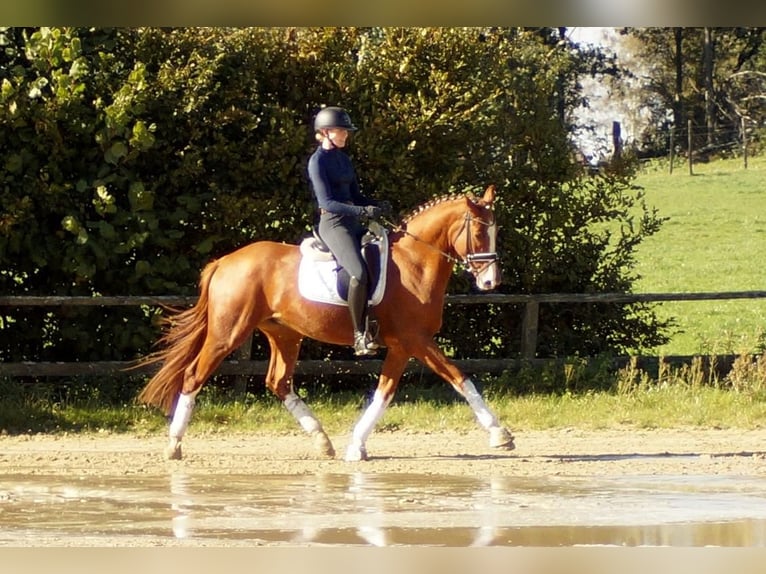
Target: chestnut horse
256, 287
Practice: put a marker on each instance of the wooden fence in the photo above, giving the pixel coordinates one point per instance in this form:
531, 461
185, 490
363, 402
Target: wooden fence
244, 366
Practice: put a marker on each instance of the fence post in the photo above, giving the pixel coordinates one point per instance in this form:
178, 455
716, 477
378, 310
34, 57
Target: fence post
690, 144
529, 330
672, 143
744, 140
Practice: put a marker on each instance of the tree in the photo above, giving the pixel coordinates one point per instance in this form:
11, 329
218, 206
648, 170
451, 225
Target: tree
697, 74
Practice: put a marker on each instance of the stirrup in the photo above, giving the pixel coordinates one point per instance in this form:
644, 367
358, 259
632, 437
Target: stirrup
371, 342
362, 345
371, 333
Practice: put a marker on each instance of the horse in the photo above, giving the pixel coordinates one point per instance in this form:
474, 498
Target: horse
255, 288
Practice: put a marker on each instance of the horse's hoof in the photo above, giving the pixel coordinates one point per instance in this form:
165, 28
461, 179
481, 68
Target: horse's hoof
356, 453
173, 453
323, 446
500, 438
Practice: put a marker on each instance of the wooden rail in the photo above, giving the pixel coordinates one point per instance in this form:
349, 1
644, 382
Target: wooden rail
248, 367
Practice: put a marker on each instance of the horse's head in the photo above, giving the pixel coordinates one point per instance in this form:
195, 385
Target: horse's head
461, 229
476, 242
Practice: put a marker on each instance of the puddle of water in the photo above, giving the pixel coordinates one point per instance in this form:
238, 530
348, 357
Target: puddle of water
390, 509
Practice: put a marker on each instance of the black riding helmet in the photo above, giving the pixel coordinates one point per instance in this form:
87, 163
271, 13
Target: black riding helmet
333, 117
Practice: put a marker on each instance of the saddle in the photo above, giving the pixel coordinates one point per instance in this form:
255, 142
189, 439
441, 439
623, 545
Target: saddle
321, 279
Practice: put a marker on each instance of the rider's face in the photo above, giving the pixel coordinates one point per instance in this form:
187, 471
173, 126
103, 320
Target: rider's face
337, 136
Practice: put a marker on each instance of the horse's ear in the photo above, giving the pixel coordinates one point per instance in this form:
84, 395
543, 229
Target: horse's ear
489, 195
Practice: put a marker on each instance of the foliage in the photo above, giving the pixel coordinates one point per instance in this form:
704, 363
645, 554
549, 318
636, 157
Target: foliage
138, 154
715, 83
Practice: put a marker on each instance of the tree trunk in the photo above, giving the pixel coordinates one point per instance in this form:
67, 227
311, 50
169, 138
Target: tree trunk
708, 62
678, 117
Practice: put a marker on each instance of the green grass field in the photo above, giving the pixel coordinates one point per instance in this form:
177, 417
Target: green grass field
714, 240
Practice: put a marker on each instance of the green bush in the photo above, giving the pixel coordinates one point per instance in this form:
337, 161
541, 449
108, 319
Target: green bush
137, 155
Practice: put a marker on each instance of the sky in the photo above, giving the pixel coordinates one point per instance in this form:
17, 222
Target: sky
604, 107
589, 35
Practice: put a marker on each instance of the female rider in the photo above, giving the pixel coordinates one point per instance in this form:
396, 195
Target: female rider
341, 207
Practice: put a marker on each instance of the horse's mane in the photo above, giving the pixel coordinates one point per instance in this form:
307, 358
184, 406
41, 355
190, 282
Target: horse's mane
433, 202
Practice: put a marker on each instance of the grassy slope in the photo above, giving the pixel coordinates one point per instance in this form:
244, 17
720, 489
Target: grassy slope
714, 240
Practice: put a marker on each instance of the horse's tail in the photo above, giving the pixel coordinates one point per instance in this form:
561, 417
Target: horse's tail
183, 339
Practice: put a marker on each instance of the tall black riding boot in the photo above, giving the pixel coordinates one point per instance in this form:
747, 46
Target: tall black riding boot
357, 307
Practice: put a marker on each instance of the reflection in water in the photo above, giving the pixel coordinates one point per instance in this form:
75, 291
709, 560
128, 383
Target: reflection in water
384, 510
181, 503
371, 529
390, 509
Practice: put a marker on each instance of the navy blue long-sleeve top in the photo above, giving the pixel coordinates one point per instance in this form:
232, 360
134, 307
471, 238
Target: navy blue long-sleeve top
334, 182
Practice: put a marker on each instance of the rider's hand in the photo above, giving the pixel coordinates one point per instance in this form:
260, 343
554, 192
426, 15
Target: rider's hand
372, 211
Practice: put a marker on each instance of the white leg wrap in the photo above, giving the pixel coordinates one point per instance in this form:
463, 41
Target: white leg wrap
369, 419
480, 409
182, 415
302, 413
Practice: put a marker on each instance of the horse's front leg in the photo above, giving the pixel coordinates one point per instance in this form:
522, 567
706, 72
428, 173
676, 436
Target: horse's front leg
285, 345
433, 357
393, 367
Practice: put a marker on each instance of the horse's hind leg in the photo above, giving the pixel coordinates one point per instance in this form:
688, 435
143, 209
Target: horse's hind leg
223, 336
210, 356
182, 413
285, 345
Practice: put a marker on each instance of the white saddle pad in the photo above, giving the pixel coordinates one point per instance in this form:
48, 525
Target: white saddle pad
317, 274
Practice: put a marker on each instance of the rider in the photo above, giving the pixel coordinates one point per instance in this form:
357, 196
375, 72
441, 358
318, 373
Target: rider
341, 208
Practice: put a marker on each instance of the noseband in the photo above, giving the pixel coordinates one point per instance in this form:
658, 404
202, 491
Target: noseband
483, 258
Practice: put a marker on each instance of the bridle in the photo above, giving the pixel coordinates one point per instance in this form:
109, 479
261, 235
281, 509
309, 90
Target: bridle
473, 262
476, 262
